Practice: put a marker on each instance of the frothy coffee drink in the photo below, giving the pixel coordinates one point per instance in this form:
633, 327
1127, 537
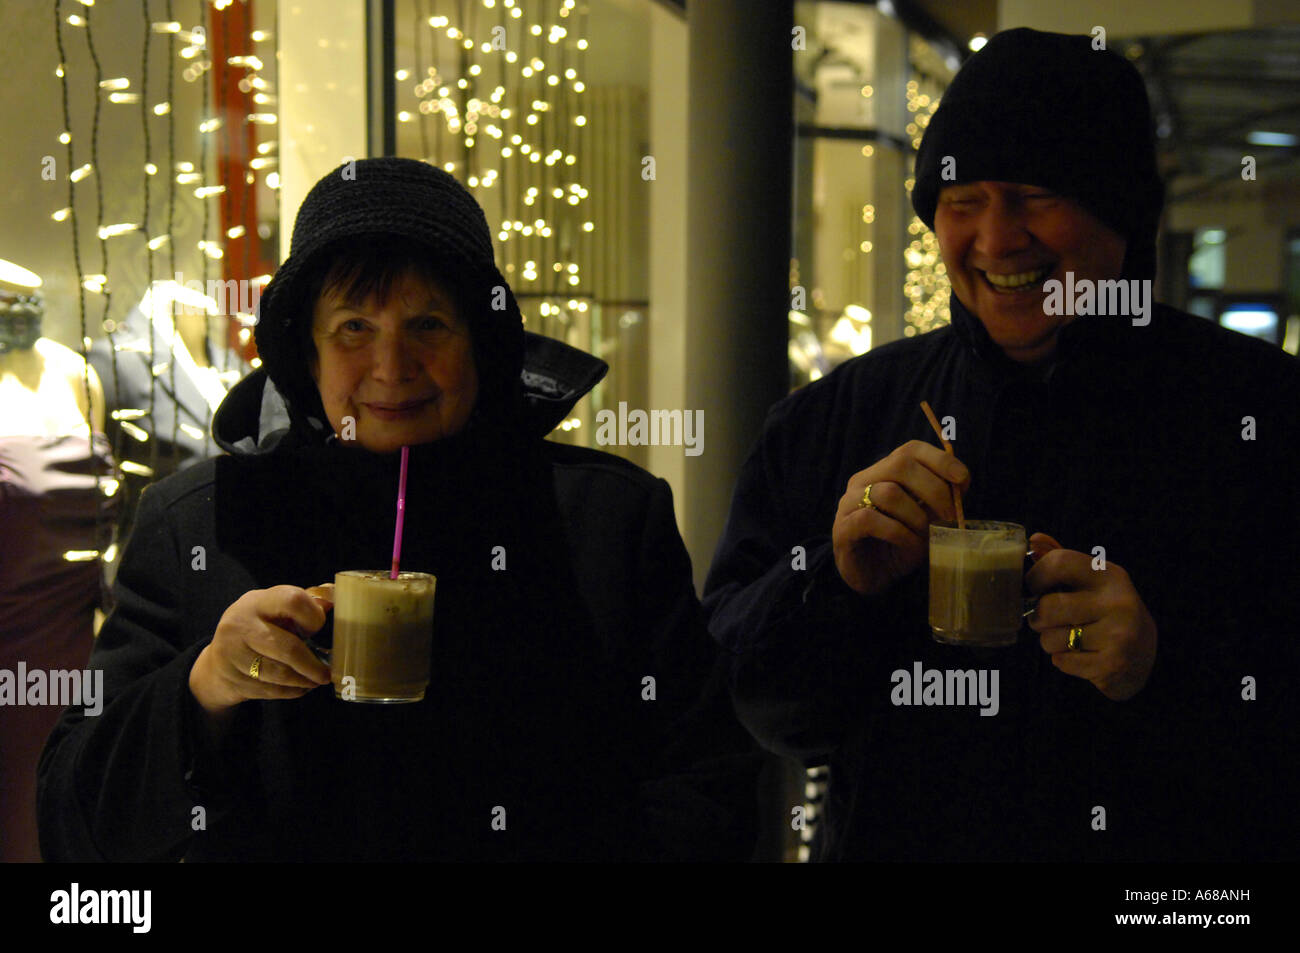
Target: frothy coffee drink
383, 635
976, 581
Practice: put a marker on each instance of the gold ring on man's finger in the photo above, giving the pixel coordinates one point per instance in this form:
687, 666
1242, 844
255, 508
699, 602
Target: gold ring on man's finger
255, 667
1074, 641
865, 503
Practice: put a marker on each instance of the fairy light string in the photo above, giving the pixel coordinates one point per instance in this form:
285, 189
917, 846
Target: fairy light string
171, 232
205, 132
247, 246
105, 595
417, 31
118, 90
149, 29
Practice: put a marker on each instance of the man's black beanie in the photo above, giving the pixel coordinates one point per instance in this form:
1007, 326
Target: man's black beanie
1047, 109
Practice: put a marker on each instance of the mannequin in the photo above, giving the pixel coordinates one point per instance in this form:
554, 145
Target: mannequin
159, 358
43, 390
58, 499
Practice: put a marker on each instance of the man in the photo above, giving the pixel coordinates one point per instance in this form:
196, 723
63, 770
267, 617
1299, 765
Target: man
1145, 714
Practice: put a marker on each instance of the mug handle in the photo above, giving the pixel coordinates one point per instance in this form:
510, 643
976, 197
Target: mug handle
1030, 603
319, 651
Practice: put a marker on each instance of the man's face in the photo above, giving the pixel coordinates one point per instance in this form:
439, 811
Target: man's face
1021, 235
402, 369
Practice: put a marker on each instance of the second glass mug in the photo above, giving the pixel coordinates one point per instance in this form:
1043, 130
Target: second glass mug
977, 583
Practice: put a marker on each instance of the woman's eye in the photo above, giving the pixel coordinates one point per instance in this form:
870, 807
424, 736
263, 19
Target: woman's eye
431, 324
355, 325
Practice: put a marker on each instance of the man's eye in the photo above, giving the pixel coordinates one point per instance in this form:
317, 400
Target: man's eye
432, 324
353, 325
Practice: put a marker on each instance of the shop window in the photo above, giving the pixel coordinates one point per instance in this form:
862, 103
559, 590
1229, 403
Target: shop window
864, 270
542, 111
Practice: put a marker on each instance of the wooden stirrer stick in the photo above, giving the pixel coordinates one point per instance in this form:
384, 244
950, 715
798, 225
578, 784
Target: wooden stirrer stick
956, 493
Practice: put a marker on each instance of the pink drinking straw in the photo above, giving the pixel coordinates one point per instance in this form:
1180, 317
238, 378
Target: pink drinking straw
401, 511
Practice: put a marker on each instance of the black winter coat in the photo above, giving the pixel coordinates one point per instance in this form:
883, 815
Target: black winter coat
538, 702
1137, 441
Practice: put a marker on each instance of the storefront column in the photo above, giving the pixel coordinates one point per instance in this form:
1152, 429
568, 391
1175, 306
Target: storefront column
738, 244
740, 176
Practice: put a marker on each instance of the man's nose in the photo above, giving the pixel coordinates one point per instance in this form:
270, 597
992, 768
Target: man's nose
1001, 230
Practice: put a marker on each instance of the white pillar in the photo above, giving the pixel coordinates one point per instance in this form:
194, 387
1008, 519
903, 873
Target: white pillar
322, 90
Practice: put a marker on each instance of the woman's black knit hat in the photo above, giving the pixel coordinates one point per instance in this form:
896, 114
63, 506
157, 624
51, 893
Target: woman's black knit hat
407, 200
1051, 110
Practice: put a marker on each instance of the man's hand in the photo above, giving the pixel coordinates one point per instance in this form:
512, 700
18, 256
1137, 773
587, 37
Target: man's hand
1118, 646
912, 487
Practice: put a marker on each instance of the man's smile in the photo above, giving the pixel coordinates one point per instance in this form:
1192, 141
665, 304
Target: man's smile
1015, 282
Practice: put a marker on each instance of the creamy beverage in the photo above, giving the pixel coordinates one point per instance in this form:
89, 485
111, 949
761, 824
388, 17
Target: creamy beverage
976, 583
383, 635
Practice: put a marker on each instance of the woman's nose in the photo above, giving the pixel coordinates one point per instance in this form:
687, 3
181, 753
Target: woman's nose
392, 358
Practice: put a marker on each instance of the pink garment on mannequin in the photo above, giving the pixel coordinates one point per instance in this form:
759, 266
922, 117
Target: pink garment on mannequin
48, 507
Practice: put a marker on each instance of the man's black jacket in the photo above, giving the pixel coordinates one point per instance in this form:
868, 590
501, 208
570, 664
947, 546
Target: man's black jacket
1174, 447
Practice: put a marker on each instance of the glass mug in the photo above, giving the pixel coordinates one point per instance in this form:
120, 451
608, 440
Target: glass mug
977, 583
383, 636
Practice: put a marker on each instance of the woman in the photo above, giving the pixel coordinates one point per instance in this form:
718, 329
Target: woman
562, 587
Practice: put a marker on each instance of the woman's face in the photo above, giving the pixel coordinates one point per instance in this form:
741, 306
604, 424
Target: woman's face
402, 370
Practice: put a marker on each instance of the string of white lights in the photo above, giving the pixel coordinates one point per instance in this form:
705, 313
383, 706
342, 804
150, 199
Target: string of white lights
505, 97
197, 65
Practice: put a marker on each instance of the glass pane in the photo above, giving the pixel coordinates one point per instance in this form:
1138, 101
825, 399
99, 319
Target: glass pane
865, 271
542, 111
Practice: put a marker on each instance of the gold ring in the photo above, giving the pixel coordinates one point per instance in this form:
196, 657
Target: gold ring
866, 503
255, 667
1074, 642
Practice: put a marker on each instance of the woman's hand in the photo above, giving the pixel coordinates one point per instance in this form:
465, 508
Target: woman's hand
262, 624
876, 546
1117, 649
